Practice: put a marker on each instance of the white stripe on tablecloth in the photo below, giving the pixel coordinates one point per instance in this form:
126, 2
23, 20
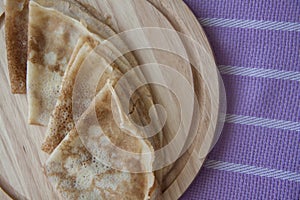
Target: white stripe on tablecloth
251, 24
263, 73
252, 170
262, 122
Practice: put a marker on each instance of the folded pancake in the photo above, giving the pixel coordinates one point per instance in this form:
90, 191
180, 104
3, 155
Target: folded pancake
95, 23
50, 47
16, 23
48, 57
16, 31
77, 174
144, 101
61, 121
124, 64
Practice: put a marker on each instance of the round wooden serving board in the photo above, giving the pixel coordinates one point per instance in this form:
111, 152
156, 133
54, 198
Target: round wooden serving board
21, 164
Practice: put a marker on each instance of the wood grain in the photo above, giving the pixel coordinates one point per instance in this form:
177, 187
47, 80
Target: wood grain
21, 165
4, 196
2, 13
2, 8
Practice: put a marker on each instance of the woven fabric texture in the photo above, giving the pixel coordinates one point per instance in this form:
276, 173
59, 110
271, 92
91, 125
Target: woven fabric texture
257, 50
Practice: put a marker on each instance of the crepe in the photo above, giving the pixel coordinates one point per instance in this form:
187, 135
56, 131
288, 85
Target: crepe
113, 75
123, 63
16, 21
16, 31
44, 78
50, 47
61, 120
76, 174
95, 23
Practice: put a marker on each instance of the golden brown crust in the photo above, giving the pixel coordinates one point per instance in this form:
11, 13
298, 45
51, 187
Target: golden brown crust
16, 21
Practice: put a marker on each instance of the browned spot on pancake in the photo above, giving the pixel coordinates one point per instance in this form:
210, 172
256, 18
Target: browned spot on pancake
61, 73
37, 43
66, 37
54, 68
60, 52
92, 42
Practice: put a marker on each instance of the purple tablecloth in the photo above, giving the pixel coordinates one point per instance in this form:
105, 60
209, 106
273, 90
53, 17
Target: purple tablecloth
257, 49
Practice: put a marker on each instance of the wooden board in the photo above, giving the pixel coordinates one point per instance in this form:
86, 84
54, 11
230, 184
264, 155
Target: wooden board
3, 195
2, 14
21, 172
2, 8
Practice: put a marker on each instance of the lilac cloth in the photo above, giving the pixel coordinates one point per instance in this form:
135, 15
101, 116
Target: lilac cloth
257, 49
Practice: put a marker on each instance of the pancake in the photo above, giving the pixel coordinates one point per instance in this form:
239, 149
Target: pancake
124, 63
44, 78
61, 120
16, 21
50, 47
76, 174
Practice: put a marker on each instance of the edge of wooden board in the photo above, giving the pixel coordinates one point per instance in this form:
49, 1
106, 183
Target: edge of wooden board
195, 161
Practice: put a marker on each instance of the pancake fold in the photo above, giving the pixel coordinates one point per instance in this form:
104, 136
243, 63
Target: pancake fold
77, 174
